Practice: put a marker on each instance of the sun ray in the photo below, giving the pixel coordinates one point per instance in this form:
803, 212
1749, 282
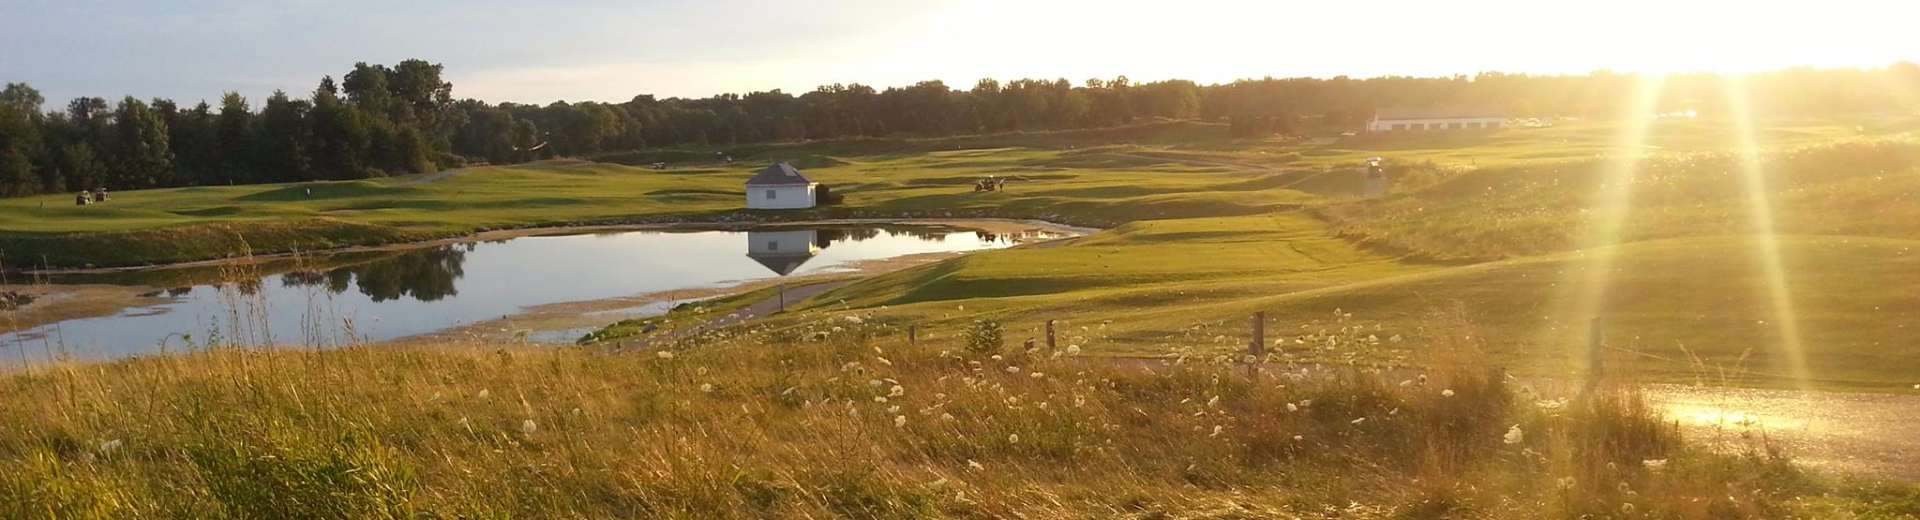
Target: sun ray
1784, 318
1584, 285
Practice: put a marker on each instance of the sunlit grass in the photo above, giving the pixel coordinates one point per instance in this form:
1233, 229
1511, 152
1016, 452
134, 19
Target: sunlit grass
834, 415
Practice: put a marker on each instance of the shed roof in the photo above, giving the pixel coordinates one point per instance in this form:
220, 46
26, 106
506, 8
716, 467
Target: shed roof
781, 264
779, 174
1448, 112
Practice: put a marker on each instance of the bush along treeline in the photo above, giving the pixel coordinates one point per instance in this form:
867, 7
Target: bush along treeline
380, 120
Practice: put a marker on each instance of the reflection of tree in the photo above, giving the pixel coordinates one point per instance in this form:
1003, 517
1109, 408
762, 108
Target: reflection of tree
302, 278
424, 274
926, 234
830, 236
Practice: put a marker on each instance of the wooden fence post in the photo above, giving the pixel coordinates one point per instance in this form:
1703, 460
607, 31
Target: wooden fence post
913, 334
1259, 344
1050, 335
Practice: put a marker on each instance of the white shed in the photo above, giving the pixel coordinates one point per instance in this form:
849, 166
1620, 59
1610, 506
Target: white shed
780, 187
1437, 118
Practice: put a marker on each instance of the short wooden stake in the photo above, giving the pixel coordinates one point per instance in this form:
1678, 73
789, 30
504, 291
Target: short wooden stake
912, 334
1050, 343
1259, 344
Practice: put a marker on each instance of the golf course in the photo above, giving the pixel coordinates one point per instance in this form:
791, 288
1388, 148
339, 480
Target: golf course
1702, 253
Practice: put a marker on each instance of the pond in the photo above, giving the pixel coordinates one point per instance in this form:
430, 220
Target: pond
370, 297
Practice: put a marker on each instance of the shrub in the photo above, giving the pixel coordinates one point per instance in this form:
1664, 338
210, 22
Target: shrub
985, 337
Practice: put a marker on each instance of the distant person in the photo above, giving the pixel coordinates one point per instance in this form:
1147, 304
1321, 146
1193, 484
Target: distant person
100, 195
81, 199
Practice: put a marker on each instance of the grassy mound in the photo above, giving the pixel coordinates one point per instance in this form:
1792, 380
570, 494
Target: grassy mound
1689, 310
1863, 188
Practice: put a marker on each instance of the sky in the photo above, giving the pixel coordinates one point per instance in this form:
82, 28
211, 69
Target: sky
607, 50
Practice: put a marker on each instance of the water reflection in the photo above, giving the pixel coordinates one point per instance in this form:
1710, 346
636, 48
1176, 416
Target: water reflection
785, 251
393, 294
426, 275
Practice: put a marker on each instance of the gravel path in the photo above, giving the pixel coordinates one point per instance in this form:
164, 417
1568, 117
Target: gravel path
1872, 435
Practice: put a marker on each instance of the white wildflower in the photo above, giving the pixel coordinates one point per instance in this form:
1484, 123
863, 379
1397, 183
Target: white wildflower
1446, 393
1514, 435
1013, 369
1013, 438
485, 394
1627, 508
875, 383
1292, 407
897, 391
1406, 383
1037, 375
1215, 401
946, 416
880, 399
110, 445
1299, 438
528, 426
975, 465
706, 388
899, 421
1654, 464
1216, 430
838, 329
664, 354
1074, 350
1357, 421
1566, 482
854, 319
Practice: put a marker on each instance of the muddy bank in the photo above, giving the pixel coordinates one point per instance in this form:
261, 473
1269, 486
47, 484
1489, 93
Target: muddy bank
57, 303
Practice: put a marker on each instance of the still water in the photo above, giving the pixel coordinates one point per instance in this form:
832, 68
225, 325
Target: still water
398, 294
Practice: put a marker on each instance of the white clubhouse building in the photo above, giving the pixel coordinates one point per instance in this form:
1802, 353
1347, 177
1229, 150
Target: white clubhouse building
1437, 118
780, 187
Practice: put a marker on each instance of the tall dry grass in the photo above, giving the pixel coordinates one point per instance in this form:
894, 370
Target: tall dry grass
838, 417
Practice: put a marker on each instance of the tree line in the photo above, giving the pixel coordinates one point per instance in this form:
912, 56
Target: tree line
379, 120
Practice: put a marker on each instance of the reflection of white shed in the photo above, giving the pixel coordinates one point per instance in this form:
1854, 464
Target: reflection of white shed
782, 251
780, 187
